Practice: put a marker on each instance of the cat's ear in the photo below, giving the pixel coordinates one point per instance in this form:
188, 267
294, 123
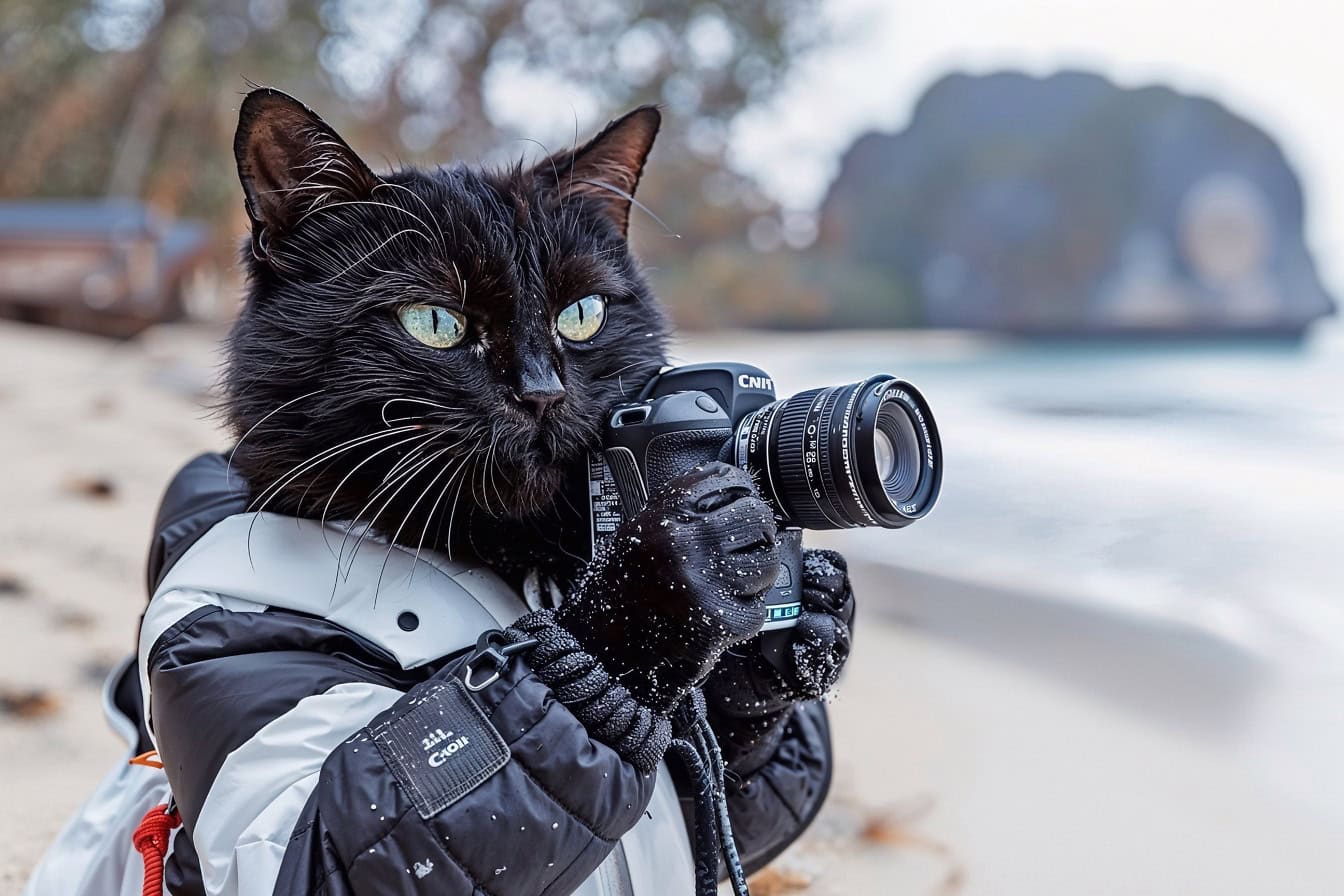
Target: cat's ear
290, 161
605, 171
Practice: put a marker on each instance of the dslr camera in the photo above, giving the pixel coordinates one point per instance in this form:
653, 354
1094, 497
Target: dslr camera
859, 454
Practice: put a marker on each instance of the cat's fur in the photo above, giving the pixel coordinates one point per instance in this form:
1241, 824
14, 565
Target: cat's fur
321, 374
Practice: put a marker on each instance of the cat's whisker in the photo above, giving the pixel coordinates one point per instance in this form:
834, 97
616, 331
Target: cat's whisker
487, 479
603, 185
410, 477
371, 253
406, 476
332, 497
327, 206
424, 401
228, 467
443, 239
269, 493
391, 401
391, 544
429, 435
495, 473
402, 462
434, 508
462, 284
364, 527
485, 494
606, 376
452, 514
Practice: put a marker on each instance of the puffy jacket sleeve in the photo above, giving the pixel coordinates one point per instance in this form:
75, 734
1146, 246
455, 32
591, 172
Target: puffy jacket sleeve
304, 762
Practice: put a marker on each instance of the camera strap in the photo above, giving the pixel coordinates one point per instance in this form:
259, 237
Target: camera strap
693, 741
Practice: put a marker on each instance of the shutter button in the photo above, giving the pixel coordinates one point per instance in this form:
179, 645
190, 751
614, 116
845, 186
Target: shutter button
706, 404
408, 621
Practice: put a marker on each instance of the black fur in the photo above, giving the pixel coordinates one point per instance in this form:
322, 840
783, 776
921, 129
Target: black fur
318, 357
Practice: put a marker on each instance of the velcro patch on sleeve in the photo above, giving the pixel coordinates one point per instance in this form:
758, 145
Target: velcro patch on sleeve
441, 748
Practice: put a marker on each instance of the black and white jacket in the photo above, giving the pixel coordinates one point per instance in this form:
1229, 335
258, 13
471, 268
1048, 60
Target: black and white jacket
318, 740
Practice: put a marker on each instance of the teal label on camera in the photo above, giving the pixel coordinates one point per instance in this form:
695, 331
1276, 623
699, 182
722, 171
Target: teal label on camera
781, 615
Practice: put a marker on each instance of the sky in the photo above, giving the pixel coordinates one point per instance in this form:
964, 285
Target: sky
1280, 65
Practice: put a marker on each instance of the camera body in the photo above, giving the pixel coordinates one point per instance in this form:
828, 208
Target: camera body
687, 416
857, 454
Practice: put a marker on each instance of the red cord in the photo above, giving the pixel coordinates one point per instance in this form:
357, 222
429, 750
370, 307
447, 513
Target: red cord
151, 841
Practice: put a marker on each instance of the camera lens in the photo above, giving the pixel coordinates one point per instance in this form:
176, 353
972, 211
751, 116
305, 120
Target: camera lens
896, 445
861, 454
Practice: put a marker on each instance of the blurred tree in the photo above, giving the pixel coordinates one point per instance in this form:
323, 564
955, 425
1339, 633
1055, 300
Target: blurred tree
139, 97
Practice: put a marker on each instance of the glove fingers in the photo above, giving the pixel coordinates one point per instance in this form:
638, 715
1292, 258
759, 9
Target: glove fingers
744, 575
821, 645
826, 586
750, 526
836, 604
834, 558
707, 489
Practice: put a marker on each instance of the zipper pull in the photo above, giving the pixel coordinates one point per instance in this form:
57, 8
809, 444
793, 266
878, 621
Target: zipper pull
494, 649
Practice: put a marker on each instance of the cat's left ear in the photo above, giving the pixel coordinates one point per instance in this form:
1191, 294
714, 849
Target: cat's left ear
605, 171
290, 161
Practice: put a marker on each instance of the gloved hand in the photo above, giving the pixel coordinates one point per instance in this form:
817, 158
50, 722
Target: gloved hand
750, 701
680, 581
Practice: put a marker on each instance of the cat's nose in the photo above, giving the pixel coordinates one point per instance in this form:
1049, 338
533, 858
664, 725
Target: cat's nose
539, 388
539, 401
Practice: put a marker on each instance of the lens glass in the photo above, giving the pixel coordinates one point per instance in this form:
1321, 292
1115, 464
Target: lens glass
900, 473
884, 454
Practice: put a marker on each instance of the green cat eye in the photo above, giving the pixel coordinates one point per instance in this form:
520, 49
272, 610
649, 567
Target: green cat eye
434, 325
582, 320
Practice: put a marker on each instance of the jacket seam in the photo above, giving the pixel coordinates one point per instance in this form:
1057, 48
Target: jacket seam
176, 630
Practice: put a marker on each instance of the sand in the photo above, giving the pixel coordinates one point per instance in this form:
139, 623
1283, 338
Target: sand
988, 742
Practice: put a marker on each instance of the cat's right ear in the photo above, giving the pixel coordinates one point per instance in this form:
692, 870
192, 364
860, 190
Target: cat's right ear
290, 161
604, 172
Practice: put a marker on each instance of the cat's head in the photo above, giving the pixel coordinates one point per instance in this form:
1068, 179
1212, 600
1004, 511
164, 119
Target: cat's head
422, 340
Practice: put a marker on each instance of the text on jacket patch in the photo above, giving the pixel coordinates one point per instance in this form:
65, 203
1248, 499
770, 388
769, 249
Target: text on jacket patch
445, 743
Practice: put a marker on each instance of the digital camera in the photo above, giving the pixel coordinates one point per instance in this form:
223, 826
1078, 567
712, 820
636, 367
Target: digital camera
860, 454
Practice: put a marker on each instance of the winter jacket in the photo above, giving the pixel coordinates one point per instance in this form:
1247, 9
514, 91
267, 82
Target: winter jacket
318, 733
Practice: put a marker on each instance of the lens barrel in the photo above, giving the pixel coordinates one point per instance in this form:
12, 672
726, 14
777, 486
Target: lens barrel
861, 454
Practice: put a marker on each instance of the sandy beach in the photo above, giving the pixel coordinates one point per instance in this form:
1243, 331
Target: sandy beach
990, 740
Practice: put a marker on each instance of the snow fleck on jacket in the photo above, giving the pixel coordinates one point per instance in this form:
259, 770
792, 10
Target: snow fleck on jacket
317, 740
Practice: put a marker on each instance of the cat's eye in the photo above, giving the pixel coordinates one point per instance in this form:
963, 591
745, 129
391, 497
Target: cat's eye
434, 325
582, 320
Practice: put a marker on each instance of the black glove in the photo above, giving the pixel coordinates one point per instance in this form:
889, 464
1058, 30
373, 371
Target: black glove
679, 582
750, 701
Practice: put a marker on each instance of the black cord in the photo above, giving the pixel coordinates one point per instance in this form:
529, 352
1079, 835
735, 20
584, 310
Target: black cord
695, 745
710, 745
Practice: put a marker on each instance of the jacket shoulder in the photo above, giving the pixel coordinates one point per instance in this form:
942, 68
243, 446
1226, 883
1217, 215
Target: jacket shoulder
201, 494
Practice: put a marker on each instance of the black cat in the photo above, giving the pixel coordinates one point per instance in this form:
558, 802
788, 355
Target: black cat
431, 351
428, 355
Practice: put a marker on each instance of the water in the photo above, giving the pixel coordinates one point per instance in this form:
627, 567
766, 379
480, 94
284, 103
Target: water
1197, 485
1184, 499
